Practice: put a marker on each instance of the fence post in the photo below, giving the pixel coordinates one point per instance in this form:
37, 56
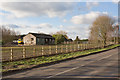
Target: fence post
102, 44
66, 49
11, 54
42, 50
24, 53
49, 49
98, 45
33, 52
92, 45
70, 48
95, 45
61, 48
81, 46
56, 49
87, 45
74, 47
78, 46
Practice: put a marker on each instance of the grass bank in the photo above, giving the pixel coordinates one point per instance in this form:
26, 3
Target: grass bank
22, 64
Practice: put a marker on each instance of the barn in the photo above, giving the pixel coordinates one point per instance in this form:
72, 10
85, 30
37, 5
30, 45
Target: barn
38, 39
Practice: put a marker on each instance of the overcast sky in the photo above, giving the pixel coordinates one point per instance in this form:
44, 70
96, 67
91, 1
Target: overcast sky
49, 17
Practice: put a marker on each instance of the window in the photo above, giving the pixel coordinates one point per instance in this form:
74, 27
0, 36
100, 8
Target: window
32, 39
38, 39
46, 40
50, 40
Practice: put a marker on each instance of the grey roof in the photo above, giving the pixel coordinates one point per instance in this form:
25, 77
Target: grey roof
41, 35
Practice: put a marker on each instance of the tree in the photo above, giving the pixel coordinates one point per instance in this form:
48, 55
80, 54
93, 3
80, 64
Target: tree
116, 33
62, 33
60, 37
101, 29
8, 35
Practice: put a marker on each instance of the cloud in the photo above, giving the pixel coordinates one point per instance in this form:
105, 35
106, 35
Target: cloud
61, 26
24, 29
28, 9
7, 15
14, 26
79, 30
64, 20
115, 1
42, 25
91, 4
55, 0
11, 26
39, 0
86, 18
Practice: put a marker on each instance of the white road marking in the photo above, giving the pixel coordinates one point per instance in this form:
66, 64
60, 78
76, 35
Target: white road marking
77, 67
97, 60
105, 57
63, 72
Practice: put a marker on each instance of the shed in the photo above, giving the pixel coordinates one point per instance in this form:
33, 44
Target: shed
38, 39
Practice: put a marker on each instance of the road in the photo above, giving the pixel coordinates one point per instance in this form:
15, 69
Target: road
101, 65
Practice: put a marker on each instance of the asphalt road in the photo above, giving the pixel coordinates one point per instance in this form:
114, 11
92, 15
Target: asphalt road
101, 65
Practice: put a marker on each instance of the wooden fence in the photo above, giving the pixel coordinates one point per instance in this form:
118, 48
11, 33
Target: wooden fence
17, 53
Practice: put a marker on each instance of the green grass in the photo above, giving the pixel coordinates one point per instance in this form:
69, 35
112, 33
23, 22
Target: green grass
44, 59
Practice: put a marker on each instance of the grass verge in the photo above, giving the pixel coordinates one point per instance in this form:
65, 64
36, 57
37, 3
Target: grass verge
22, 64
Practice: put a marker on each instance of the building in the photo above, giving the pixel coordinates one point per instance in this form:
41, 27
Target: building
38, 39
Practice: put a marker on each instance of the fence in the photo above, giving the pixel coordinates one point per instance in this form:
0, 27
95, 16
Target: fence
17, 53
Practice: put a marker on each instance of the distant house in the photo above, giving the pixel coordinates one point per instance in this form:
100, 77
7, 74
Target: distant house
38, 39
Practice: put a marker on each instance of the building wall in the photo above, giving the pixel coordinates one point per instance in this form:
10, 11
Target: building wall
40, 41
49, 41
44, 41
29, 39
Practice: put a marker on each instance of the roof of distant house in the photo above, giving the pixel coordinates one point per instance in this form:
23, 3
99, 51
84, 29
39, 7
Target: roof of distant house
42, 35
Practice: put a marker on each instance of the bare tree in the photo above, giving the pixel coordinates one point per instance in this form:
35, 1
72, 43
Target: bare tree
7, 35
116, 33
101, 29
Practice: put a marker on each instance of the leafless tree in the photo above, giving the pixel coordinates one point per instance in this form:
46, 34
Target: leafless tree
7, 35
116, 33
101, 29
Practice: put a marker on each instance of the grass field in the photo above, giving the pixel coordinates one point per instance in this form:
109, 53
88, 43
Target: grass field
46, 59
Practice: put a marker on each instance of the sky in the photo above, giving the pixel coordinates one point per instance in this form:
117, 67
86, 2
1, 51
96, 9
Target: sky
75, 18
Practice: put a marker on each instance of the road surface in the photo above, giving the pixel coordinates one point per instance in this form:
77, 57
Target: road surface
101, 65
